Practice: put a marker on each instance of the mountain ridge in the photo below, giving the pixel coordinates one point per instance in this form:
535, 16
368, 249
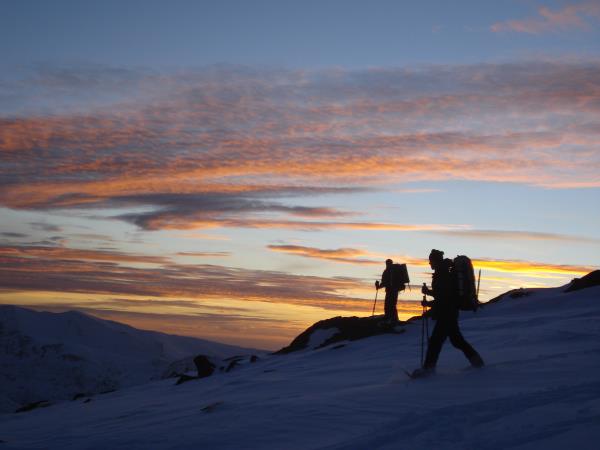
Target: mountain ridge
55, 356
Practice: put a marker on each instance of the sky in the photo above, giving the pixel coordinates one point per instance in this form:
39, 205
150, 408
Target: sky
238, 170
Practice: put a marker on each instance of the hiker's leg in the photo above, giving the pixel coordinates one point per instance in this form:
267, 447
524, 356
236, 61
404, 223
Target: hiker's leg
393, 309
435, 344
389, 306
458, 341
386, 305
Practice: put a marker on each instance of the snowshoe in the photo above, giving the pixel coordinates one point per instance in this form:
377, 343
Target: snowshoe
421, 373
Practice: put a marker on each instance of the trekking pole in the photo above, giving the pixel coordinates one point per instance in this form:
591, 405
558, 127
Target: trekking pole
478, 283
375, 302
424, 326
427, 325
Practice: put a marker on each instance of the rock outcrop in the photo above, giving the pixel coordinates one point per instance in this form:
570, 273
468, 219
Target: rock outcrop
338, 329
590, 280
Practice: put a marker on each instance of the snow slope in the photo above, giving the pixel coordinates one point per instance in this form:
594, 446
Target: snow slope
52, 356
540, 390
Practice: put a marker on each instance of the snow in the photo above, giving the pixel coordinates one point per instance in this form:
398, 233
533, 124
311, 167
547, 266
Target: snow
540, 389
320, 336
50, 356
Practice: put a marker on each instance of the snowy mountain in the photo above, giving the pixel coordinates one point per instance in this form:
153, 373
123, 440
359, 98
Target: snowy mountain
540, 389
53, 356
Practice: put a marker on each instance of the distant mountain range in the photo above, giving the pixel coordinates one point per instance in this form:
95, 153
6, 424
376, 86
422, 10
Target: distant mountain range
55, 356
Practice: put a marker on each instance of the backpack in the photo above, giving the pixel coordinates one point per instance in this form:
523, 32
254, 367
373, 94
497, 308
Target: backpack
464, 283
399, 276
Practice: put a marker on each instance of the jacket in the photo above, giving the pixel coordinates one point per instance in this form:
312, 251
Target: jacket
444, 292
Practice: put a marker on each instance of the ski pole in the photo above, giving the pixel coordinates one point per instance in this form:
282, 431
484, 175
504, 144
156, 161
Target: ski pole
478, 283
375, 302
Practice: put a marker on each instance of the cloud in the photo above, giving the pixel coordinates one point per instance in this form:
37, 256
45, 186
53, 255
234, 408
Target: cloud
345, 255
43, 226
531, 268
577, 16
203, 254
59, 269
189, 211
416, 191
38, 252
236, 146
9, 234
518, 235
357, 256
157, 221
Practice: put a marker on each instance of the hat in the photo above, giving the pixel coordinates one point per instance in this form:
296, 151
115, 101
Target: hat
436, 254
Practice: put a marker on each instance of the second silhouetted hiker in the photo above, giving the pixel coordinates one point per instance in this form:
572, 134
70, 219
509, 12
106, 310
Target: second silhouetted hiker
393, 279
444, 311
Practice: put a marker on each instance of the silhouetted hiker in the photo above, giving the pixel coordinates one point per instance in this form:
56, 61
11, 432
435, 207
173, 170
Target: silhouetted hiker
444, 310
392, 288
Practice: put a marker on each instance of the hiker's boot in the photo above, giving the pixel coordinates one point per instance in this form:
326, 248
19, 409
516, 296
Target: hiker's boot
423, 372
476, 360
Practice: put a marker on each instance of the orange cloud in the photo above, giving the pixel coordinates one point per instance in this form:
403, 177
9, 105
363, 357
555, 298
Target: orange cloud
38, 269
174, 155
531, 268
357, 256
128, 177
345, 255
162, 223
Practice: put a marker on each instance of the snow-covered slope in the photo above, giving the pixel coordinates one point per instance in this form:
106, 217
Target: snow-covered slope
51, 356
539, 390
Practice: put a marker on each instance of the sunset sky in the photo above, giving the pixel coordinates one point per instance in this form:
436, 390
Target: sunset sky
237, 170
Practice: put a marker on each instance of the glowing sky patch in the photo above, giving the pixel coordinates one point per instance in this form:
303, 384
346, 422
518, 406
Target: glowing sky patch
239, 180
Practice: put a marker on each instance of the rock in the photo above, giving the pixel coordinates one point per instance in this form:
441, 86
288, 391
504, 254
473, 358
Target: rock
211, 407
590, 280
232, 364
204, 366
184, 378
34, 405
339, 329
518, 293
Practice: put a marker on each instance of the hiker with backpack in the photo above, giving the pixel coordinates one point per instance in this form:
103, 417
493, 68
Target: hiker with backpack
393, 279
446, 289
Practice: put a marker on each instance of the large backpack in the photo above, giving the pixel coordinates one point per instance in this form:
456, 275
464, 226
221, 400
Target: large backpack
464, 283
399, 276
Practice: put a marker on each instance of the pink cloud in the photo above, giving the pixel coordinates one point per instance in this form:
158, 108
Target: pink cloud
578, 16
206, 150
